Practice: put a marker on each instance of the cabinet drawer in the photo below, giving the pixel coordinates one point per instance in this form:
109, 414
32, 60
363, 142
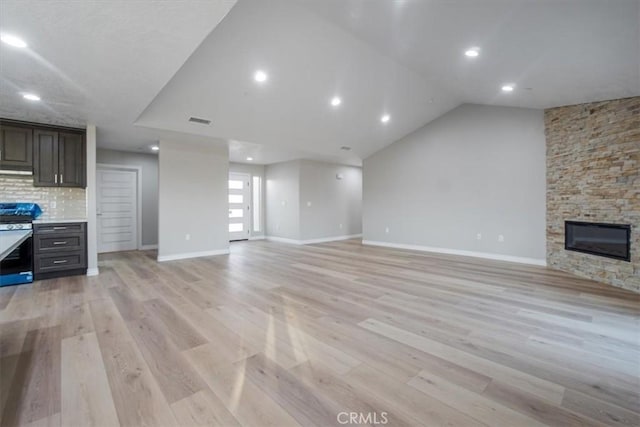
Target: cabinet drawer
59, 262
66, 228
51, 242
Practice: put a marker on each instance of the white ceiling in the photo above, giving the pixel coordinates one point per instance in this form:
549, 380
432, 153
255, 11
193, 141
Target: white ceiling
98, 62
120, 63
557, 52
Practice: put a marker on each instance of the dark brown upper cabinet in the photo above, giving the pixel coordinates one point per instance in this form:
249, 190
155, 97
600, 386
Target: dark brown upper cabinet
45, 158
16, 148
58, 159
71, 160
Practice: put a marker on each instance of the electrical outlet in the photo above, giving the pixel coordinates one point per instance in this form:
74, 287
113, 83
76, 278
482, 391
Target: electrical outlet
278, 227
500, 238
479, 236
284, 203
386, 230
340, 226
187, 237
308, 204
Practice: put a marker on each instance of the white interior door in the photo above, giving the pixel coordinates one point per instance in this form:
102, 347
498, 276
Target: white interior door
117, 210
239, 206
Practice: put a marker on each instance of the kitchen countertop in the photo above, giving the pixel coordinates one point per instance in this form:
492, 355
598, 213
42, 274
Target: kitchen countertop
58, 220
9, 240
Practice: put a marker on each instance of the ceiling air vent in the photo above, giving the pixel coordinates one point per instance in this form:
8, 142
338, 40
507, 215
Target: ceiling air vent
199, 120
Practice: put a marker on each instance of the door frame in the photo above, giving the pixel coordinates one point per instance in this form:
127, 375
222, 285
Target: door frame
138, 171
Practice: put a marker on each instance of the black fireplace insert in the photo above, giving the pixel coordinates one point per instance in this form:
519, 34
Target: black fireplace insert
607, 240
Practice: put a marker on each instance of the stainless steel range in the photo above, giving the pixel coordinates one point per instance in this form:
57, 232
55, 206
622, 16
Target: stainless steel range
16, 242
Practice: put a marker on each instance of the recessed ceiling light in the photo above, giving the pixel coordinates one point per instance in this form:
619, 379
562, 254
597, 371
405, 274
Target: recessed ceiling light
508, 88
472, 52
31, 96
385, 118
249, 159
335, 101
260, 76
155, 148
13, 40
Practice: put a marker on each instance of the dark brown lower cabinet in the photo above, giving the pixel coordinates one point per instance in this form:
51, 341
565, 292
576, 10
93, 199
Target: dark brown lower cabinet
60, 249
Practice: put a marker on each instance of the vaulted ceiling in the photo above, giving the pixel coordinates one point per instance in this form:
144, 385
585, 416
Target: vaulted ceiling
139, 70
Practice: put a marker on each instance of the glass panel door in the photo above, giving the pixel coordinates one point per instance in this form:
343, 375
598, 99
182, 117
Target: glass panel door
239, 206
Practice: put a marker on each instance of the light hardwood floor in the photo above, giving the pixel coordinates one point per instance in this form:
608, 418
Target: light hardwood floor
281, 335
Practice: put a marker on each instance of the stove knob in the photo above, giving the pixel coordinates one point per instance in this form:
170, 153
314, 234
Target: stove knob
10, 227
18, 226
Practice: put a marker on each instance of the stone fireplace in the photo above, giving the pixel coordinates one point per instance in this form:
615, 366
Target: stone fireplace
593, 175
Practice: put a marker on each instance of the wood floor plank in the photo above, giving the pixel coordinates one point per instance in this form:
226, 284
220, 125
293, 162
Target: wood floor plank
236, 347
596, 409
6, 293
303, 343
174, 374
12, 334
75, 319
34, 391
351, 400
286, 335
298, 399
357, 343
536, 386
181, 333
137, 397
400, 399
203, 409
473, 404
50, 421
251, 406
86, 395
8, 365
533, 407
261, 336
129, 306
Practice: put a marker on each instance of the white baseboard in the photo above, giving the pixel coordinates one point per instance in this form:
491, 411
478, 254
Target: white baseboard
283, 240
330, 239
163, 258
148, 247
486, 255
312, 241
93, 271
257, 238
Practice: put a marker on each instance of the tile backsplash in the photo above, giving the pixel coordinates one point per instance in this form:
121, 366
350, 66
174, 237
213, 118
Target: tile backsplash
56, 202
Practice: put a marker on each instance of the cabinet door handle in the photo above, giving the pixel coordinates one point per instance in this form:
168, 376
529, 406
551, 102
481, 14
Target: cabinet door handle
60, 261
59, 228
59, 243
60, 178
55, 178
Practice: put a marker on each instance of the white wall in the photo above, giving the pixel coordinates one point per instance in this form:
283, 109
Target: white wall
149, 166
193, 200
92, 219
336, 205
283, 200
477, 169
254, 170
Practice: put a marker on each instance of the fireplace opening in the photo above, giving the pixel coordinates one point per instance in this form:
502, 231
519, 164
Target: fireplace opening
607, 240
